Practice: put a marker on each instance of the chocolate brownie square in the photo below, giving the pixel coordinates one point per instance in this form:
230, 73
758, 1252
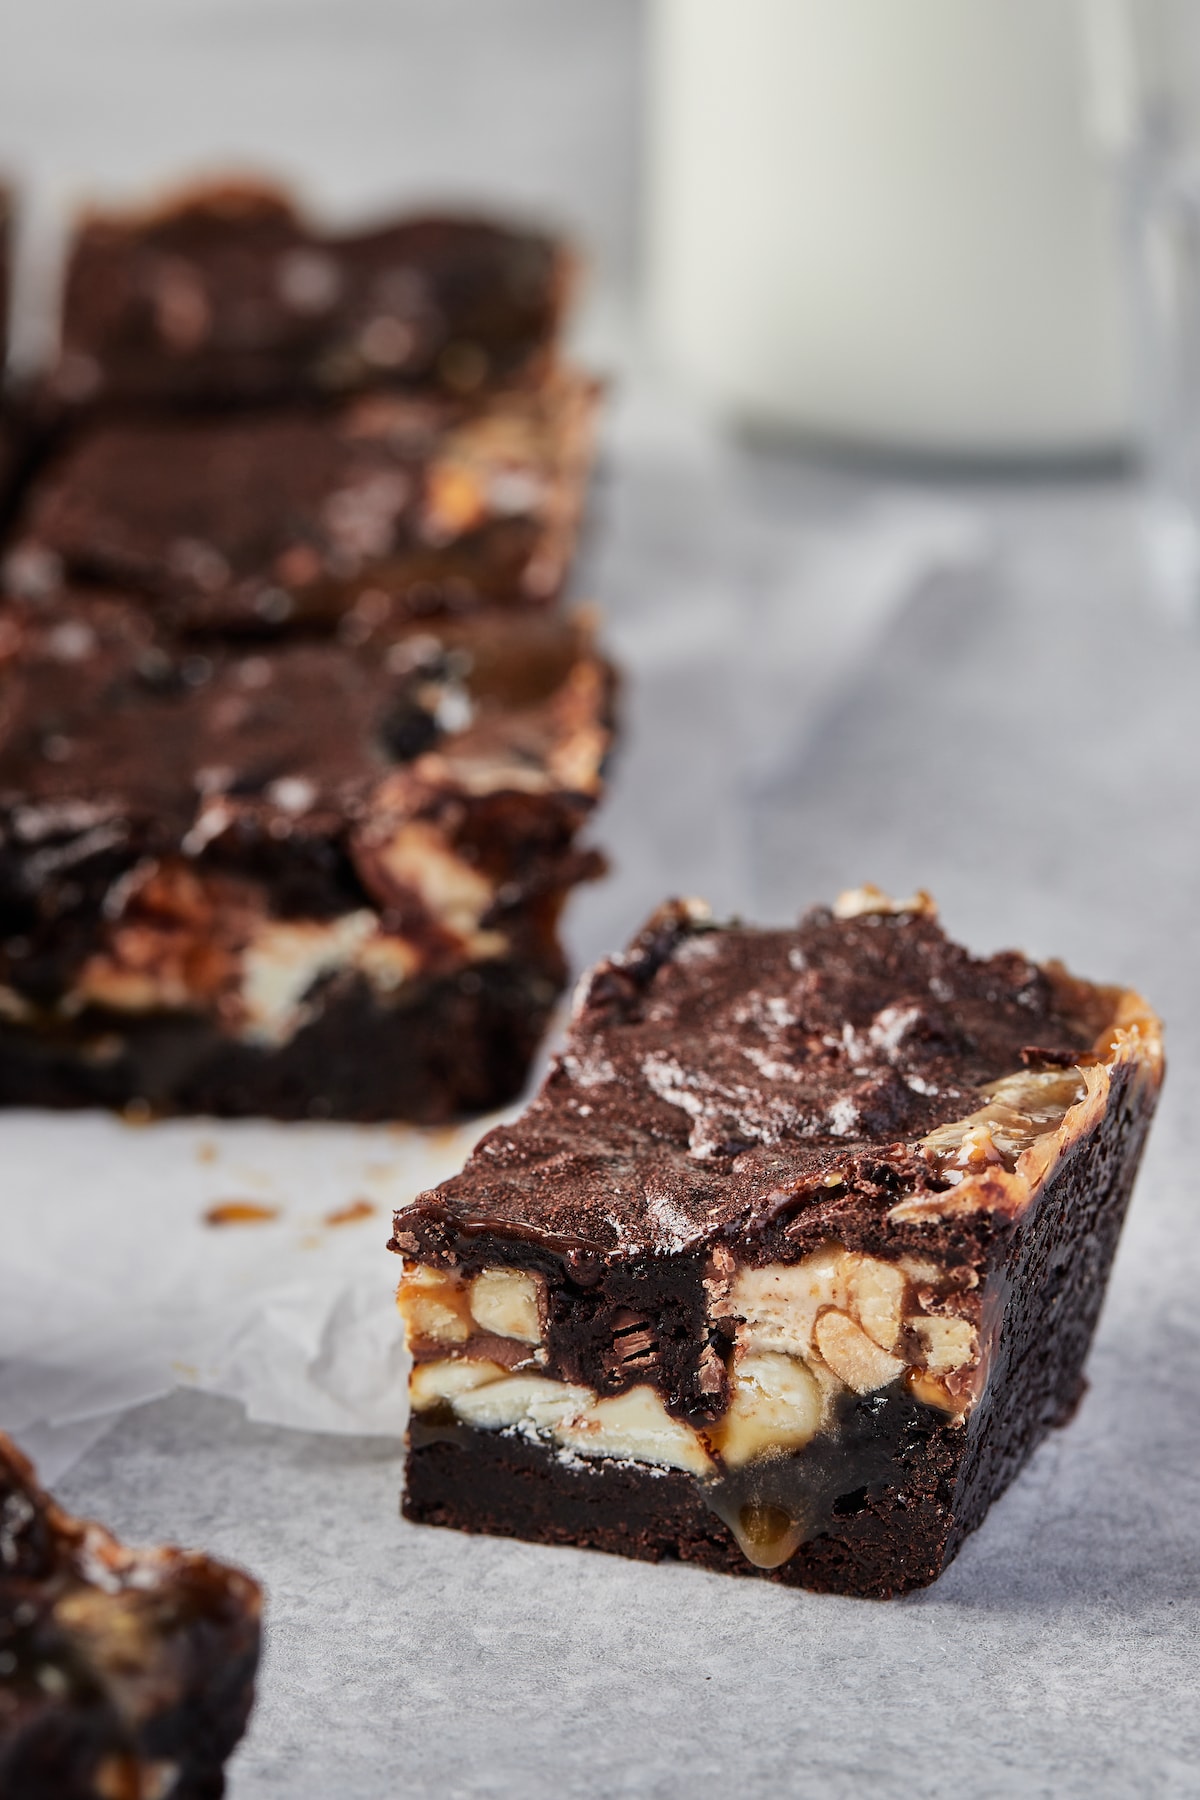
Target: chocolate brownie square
794, 1259
256, 521
226, 294
309, 878
124, 1674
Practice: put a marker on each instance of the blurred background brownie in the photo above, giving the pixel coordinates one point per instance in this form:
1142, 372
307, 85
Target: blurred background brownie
313, 878
290, 772
265, 519
124, 1674
226, 294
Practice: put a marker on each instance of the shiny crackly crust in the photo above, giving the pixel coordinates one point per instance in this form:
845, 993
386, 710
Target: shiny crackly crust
768, 1120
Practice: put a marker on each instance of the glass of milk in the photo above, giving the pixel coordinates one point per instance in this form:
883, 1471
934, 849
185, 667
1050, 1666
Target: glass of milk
883, 222
1145, 57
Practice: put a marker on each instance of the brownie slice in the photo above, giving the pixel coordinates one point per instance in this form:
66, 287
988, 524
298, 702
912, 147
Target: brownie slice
227, 294
794, 1259
256, 521
124, 1674
306, 878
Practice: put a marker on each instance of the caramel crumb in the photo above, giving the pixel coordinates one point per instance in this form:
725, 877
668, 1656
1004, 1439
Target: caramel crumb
346, 1215
206, 1153
439, 1137
240, 1212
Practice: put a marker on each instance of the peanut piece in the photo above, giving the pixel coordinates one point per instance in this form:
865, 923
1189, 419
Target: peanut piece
779, 1303
877, 1298
506, 1301
635, 1425
434, 1381
776, 1405
949, 1343
532, 1400
852, 1355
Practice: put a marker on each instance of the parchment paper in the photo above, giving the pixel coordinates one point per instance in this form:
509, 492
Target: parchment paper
115, 1288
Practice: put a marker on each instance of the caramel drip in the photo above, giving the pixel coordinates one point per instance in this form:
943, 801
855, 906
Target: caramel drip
766, 1535
240, 1212
347, 1215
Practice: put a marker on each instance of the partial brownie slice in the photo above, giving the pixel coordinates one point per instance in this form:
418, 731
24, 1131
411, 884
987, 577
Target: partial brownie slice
12, 444
124, 1674
6, 274
226, 294
255, 521
794, 1259
312, 879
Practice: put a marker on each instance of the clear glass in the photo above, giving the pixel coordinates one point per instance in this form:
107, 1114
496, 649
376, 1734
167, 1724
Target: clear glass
1145, 59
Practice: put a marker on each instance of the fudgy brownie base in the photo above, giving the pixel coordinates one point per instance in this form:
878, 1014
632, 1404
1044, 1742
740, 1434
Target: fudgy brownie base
884, 1541
124, 1674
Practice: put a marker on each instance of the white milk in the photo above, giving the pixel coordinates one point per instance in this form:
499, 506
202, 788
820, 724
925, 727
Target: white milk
883, 221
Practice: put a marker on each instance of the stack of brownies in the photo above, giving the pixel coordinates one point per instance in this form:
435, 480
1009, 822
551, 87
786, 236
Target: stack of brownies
295, 740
